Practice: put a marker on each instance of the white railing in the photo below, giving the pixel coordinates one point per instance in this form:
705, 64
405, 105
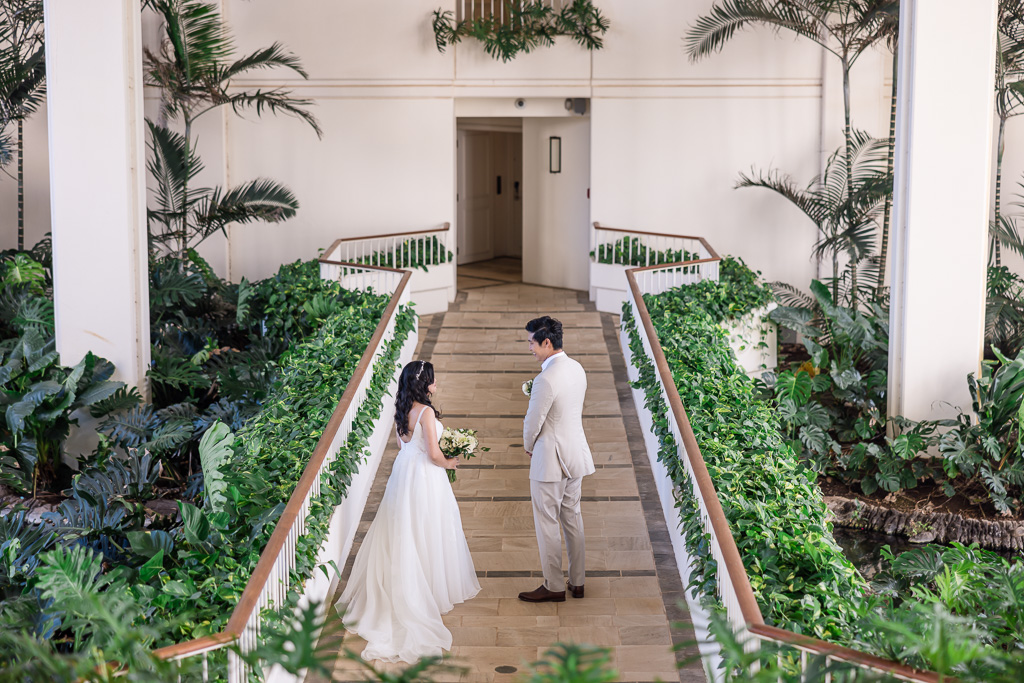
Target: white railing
268, 586
614, 250
357, 276
638, 249
427, 253
417, 249
732, 583
658, 279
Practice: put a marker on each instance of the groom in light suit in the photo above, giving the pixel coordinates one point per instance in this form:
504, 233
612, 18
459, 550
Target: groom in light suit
560, 457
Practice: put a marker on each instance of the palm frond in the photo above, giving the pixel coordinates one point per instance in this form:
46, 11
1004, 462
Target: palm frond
22, 86
1008, 232
805, 200
713, 30
173, 164
6, 149
198, 38
788, 295
265, 58
275, 101
257, 200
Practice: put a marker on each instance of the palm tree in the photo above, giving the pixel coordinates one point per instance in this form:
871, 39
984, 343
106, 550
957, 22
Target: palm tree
194, 69
22, 83
843, 205
844, 28
889, 29
1009, 95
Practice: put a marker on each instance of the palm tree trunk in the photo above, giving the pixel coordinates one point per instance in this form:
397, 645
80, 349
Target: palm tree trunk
999, 182
854, 281
886, 217
849, 168
835, 280
21, 184
183, 235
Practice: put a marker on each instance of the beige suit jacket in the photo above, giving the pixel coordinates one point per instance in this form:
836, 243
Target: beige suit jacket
553, 428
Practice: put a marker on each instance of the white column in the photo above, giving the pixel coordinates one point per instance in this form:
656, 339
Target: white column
941, 203
98, 183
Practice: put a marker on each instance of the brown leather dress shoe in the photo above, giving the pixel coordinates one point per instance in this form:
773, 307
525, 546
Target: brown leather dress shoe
577, 591
542, 594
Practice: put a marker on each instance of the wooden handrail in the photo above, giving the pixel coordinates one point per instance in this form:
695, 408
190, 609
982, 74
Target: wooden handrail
194, 646
444, 228
364, 266
251, 594
677, 264
730, 553
733, 562
820, 647
714, 254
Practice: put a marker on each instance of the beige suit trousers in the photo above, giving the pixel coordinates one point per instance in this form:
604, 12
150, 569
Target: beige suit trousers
558, 503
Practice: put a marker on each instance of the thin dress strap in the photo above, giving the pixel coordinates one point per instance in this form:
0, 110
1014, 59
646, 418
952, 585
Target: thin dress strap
418, 418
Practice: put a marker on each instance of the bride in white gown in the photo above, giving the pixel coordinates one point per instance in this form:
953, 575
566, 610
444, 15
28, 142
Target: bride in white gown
414, 564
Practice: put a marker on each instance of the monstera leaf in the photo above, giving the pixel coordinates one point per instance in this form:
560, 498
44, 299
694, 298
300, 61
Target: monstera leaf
215, 454
132, 478
21, 544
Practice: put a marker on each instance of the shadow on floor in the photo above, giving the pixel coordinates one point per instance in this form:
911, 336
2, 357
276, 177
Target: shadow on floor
499, 271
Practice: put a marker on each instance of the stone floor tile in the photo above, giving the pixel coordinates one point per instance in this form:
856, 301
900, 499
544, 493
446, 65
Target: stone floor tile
643, 658
514, 607
573, 607
645, 635
480, 358
599, 636
541, 636
639, 606
475, 635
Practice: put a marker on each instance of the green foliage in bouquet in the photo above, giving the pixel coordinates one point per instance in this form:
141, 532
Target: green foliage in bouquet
459, 443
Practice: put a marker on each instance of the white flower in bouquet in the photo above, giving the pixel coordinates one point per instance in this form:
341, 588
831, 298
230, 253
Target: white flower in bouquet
457, 443
528, 386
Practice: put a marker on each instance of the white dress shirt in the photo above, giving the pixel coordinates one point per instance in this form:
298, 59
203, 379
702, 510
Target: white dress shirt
547, 362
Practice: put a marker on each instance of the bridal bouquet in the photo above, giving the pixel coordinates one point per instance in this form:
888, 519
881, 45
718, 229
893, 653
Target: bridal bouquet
459, 443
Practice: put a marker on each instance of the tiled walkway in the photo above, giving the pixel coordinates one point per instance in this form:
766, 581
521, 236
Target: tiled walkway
632, 588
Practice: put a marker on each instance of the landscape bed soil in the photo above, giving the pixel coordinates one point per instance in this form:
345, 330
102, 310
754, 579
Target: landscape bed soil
923, 514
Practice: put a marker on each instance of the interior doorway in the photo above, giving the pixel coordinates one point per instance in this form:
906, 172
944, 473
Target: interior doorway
489, 200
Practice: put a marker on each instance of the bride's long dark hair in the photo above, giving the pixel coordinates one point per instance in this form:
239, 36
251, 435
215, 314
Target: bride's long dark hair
412, 386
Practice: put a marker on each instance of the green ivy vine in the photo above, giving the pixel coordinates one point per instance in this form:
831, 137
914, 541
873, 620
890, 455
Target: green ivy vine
527, 25
798, 573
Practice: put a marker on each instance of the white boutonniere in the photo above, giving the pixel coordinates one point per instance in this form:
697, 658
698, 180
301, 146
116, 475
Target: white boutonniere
527, 387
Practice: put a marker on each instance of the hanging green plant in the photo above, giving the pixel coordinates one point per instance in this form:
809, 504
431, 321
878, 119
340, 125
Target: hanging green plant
525, 25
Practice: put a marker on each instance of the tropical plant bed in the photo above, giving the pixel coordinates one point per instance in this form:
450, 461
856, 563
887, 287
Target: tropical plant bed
953, 610
165, 520
915, 511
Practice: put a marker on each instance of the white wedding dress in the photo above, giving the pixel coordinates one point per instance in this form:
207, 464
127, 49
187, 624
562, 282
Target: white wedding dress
414, 564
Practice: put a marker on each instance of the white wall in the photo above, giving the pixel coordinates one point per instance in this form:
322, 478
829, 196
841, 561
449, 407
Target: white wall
383, 166
556, 211
670, 165
37, 186
669, 137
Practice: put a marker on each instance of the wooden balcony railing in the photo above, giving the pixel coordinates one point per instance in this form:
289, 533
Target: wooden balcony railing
466, 10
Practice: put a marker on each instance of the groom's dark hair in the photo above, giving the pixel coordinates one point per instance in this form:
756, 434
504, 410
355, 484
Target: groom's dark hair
546, 327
